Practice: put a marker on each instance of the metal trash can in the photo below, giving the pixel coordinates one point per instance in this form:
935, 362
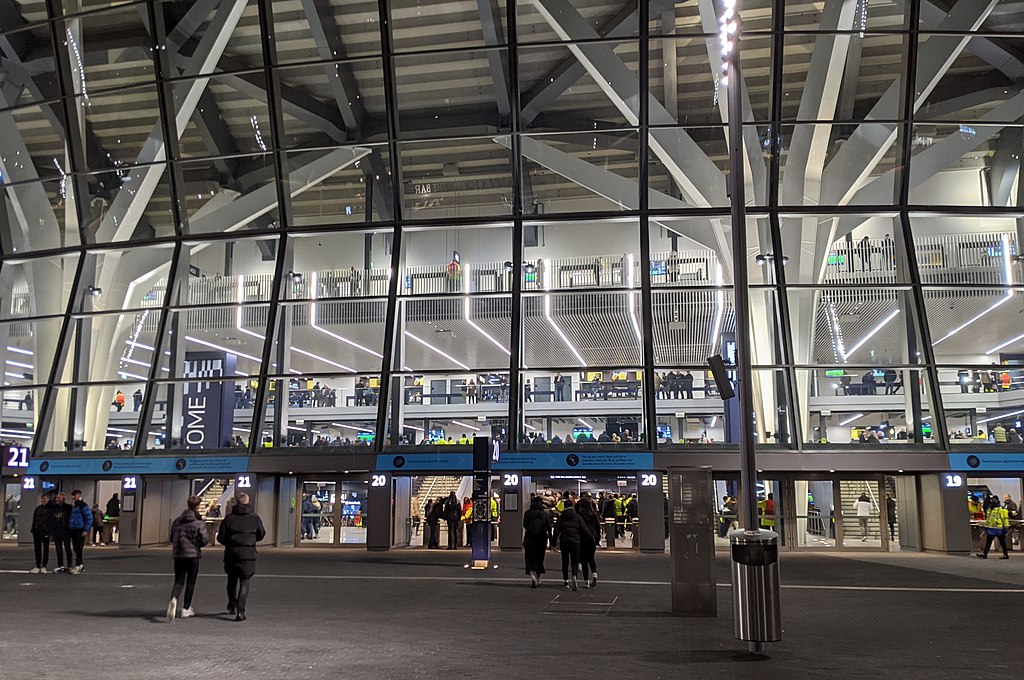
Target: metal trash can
756, 608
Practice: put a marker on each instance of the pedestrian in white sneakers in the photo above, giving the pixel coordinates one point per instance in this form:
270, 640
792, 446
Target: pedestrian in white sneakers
188, 536
79, 524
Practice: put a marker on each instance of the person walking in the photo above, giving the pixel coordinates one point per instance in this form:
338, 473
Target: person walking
41, 533
890, 515
452, 510
588, 541
536, 534
997, 524
97, 525
79, 524
59, 518
569, 532
862, 506
137, 400
187, 538
433, 513
239, 533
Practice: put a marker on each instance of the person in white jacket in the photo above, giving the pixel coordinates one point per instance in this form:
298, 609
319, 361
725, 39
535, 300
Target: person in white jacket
863, 508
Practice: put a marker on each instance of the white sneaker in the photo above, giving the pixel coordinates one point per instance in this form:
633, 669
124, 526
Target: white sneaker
75, 570
533, 579
42, 570
34, 570
593, 580
60, 570
172, 609
187, 613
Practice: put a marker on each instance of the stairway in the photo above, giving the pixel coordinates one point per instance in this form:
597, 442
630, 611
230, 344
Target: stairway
849, 492
433, 487
212, 495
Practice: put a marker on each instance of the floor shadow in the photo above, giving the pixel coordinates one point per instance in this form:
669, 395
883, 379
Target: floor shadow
147, 615
718, 656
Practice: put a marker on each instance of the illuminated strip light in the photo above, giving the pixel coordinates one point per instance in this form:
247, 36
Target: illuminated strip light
133, 343
239, 429
126, 374
413, 427
630, 281
312, 322
565, 339
1008, 277
482, 332
632, 318
19, 350
136, 362
120, 429
881, 324
21, 365
837, 332
714, 420
435, 349
843, 423
465, 425
16, 376
296, 429
238, 311
16, 436
242, 373
1005, 415
357, 429
223, 349
585, 423
719, 308
320, 358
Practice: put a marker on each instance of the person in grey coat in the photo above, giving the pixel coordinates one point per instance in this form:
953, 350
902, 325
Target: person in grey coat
188, 536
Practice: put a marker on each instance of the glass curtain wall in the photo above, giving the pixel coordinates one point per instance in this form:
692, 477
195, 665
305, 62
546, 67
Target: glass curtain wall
246, 225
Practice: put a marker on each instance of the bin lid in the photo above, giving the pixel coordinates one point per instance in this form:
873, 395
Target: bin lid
753, 536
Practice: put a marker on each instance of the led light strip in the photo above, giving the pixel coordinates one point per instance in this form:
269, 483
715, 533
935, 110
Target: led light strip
351, 427
320, 358
482, 331
561, 334
843, 423
1008, 276
1005, 415
585, 423
719, 308
465, 425
312, 321
223, 349
19, 350
632, 318
881, 324
29, 367
435, 349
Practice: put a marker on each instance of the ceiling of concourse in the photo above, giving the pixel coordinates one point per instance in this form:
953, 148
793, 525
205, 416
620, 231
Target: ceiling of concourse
453, 100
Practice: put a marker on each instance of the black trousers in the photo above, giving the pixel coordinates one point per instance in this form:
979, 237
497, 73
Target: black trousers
238, 591
62, 544
588, 558
570, 557
186, 570
41, 542
453, 534
1002, 543
78, 543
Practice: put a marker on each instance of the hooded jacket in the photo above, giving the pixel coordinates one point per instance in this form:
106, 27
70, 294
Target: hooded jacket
570, 527
188, 535
81, 516
239, 533
536, 524
41, 519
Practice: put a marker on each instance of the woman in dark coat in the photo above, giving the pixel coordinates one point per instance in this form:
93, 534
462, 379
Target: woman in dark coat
187, 538
588, 543
239, 533
536, 533
569, 532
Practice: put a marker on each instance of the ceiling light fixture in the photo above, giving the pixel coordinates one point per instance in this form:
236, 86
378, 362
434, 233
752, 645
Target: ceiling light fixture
438, 351
565, 339
881, 324
843, 423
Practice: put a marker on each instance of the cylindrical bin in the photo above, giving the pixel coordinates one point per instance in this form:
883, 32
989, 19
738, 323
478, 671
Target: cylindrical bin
756, 609
609, 533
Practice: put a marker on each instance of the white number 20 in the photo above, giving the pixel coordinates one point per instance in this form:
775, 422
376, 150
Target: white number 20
511, 480
648, 480
378, 480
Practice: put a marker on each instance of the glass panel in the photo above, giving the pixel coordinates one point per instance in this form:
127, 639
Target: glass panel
229, 272
206, 23
11, 511
533, 26
967, 250
450, 408
28, 348
317, 513
688, 169
111, 49
944, 170
449, 178
684, 252
815, 514
581, 329
214, 204
869, 15
20, 413
590, 407
353, 184
455, 333
425, 24
226, 122
574, 255
351, 264
471, 260
352, 29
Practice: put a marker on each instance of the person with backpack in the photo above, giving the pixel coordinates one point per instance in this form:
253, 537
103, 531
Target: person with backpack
452, 511
187, 538
588, 541
79, 524
536, 533
41, 533
569, 533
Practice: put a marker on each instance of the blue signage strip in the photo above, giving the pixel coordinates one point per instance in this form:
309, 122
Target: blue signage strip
139, 465
1013, 461
400, 462
570, 460
562, 460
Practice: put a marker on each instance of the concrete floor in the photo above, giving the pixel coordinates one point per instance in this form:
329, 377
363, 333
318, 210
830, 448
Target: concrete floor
419, 614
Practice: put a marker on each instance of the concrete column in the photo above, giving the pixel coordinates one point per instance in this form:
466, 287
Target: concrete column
515, 501
651, 507
942, 512
379, 518
287, 500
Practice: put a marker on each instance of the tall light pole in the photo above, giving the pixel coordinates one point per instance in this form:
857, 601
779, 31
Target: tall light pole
754, 551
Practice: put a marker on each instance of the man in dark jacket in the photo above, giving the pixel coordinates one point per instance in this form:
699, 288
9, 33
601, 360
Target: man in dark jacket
79, 524
569, 531
239, 533
60, 516
187, 538
452, 515
41, 533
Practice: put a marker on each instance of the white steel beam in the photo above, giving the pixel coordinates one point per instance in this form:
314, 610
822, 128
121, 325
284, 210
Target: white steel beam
851, 166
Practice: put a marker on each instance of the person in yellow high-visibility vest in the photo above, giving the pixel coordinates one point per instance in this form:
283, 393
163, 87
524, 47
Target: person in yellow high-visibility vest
620, 515
997, 523
494, 517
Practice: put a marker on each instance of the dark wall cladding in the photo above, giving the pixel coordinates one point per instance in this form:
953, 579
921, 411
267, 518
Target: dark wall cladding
391, 231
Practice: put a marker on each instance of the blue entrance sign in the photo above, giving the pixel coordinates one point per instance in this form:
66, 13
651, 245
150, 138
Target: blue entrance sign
138, 465
415, 462
1011, 461
572, 460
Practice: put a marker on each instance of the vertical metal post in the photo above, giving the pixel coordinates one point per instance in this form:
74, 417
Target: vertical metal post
515, 401
650, 404
738, 213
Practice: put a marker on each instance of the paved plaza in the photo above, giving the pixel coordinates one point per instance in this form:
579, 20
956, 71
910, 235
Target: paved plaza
419, 614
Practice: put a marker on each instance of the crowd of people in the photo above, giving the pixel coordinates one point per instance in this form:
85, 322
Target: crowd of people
69, 526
